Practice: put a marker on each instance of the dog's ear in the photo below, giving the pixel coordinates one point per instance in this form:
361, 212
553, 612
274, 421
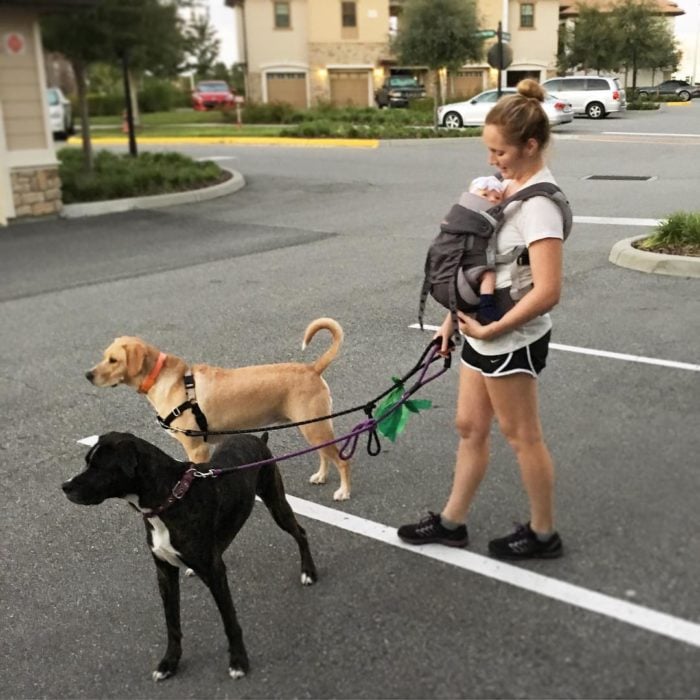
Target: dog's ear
264, 437
135, 356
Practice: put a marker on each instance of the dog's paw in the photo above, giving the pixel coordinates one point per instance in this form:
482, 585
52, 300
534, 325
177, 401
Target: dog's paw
189, 573
161, 675
308, 578
236, 673
342, 494
317, 478
166, 668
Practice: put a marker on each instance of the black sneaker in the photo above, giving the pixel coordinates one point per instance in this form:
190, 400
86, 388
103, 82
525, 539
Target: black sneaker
430, 529
523, 544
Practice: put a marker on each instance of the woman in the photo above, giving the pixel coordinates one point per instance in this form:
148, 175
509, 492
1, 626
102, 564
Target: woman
501, 360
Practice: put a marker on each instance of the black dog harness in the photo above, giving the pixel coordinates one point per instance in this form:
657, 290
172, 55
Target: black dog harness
191, 404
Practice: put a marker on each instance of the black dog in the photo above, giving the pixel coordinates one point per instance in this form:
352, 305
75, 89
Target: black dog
190, 528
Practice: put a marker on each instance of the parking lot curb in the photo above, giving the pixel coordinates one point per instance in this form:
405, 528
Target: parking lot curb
624, 254
157, 201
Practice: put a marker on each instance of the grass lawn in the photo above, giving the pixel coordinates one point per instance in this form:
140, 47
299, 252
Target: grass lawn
178, 116
179, 131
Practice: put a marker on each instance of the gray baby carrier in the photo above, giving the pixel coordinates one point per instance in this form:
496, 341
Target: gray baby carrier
466, 247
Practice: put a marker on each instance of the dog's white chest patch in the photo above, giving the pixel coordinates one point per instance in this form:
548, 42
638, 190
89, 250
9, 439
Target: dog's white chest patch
161, 546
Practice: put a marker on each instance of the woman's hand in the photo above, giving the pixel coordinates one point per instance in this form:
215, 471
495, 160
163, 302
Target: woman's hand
473, 329
445, 334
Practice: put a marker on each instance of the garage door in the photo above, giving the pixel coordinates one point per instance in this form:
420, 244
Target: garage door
287, 87
349, 88
465, 83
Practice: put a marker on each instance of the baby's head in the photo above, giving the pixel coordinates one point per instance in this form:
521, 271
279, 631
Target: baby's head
489, 187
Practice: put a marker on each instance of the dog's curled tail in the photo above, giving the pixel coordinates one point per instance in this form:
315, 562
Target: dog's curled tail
337, 333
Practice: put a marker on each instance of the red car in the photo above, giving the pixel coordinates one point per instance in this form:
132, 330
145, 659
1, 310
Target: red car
210, 94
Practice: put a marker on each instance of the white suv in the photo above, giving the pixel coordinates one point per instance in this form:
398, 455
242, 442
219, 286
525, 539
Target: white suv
595, 96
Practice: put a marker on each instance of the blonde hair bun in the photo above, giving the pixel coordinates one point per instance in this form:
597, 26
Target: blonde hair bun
531, 88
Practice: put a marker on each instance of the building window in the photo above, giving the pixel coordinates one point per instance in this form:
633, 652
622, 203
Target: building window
283, 19
527, 15
349, 14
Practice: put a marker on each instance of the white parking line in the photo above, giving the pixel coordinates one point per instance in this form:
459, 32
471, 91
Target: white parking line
645, 618
616, 221
649, 133
630, 613
218, 158
602, 353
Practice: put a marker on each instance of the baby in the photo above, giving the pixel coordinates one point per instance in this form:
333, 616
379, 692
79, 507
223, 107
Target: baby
491, 188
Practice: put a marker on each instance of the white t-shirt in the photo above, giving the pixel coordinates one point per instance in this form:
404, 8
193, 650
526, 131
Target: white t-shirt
525, 222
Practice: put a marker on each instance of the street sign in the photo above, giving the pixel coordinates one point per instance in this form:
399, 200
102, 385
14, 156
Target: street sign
485, 34
500, 59
505, 36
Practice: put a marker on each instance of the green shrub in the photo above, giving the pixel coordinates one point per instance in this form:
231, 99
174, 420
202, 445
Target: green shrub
326, 128
157, 95
643, 105
105, 105
681, 230
259, 113
117, 176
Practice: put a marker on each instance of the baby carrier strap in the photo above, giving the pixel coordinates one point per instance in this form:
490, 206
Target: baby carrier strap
539, 189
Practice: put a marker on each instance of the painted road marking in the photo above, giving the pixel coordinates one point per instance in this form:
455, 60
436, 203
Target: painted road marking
218, 158
602, 353
630, 613
637, 615
651, 133
617, 221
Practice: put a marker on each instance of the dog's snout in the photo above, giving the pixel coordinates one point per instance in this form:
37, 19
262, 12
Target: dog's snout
89, 375
66, 486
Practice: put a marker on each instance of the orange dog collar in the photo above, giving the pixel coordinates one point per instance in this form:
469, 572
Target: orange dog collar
150, 380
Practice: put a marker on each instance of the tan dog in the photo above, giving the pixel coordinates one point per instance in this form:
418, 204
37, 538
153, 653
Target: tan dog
233, 399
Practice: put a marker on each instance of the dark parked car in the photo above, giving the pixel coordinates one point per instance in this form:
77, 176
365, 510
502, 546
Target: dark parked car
682, 89
210, 94
398, 91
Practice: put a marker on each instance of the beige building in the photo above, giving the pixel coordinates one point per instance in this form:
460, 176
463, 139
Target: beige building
307, 52
29, 183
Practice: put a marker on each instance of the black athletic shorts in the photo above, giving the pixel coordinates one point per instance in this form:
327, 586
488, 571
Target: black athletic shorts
531, 359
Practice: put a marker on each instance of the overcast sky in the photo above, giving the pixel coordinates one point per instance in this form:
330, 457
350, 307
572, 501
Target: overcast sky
687, 31
222, 19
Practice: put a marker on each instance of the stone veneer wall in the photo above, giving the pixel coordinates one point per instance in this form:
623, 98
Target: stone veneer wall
37, 191
254, 87
341, 54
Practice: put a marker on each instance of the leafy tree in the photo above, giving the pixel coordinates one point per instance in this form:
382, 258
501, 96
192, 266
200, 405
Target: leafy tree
565, 41
81, 37
594, 44
147, 32
665, 54
238, 74
638, 33
438, 34
202, 45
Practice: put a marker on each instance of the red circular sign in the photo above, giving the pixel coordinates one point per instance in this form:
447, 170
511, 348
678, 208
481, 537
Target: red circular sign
14, 43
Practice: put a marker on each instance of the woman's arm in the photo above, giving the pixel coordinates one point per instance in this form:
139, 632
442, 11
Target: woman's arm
546, 264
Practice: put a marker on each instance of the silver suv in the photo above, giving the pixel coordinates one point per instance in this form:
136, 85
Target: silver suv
595, 96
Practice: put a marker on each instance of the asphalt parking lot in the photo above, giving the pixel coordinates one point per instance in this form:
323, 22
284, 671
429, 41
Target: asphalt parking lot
234, 281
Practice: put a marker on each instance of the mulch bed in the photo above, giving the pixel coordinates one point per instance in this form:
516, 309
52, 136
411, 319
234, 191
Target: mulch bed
688, 250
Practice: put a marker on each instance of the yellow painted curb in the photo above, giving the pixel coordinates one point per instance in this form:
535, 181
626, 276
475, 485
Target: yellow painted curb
236, 140
679, 104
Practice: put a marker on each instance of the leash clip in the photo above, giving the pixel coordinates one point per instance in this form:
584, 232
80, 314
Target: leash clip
204, 475
183, 486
